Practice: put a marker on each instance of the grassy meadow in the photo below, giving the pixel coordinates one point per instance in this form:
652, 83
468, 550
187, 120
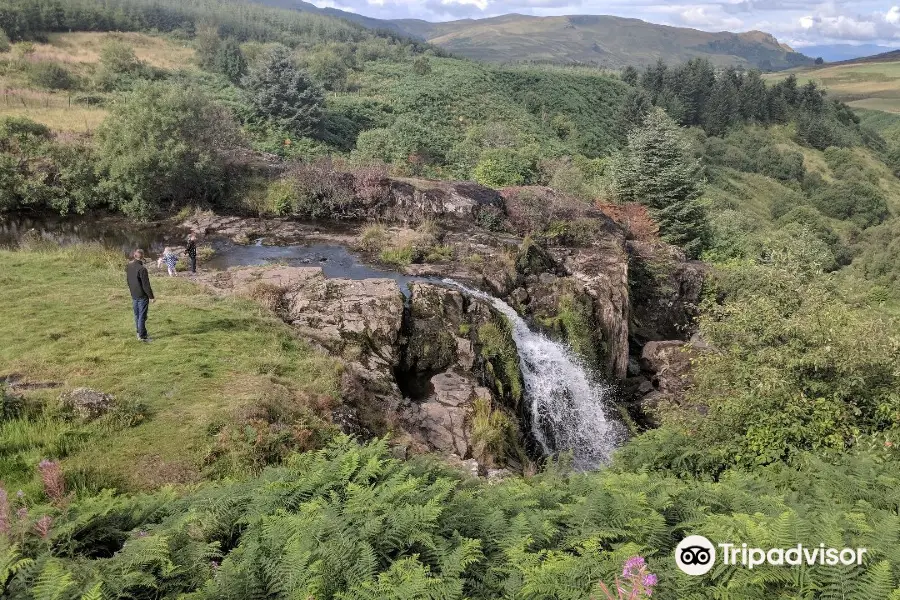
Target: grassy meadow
65, 318
68, 111
870, 86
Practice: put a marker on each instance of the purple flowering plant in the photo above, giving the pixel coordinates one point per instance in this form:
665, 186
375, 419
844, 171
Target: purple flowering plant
635, 583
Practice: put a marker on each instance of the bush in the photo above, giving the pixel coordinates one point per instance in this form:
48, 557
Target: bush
322, 191
51, 76
855, 200
119, 66
503, 167
164, 144
5, 45
281, 197
230, 60
38, 173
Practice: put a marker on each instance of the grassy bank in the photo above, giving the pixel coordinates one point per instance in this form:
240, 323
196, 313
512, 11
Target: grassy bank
65, 318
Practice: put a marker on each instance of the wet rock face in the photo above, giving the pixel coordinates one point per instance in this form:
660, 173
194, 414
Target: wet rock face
443, 420
436, 316
442, 345
668, 368
666, 290
381, 344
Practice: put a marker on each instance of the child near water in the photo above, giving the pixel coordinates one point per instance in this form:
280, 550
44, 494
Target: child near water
170, 258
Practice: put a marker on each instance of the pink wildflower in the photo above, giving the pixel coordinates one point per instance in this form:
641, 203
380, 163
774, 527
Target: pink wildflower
52, 478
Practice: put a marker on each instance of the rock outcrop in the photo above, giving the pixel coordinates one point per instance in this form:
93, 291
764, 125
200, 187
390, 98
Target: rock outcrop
414, 370
86, 404
581, 280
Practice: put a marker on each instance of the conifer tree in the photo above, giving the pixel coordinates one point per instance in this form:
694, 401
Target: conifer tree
230, 60
285, 95
657, 169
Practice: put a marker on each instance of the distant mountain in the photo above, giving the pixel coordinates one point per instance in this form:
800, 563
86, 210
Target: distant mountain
885, 57
839, 52
607, 41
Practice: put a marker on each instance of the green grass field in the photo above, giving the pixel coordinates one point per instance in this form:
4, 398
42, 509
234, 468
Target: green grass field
65, 317
79, 53
872, 86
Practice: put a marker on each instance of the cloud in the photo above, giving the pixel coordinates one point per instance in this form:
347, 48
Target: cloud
708, 18
893, 15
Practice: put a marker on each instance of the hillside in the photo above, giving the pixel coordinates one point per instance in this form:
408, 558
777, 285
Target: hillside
607, 41
871, 82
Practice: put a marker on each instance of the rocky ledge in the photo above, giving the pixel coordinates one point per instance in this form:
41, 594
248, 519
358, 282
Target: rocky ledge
416, 369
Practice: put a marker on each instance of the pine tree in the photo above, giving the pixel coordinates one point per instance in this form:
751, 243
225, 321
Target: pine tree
723, 106
630, 75
285, 95
658, 169
632, 114
753, 98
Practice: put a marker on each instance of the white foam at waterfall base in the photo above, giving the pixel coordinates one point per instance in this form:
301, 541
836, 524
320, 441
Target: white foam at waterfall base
568, 406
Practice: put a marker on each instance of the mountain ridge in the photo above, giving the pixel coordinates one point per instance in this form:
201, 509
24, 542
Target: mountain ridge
601, 40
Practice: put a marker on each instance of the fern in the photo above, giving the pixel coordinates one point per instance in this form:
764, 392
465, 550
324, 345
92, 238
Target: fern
53, 583
11, 562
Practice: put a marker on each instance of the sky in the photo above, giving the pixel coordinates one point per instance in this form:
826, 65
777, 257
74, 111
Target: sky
796, 22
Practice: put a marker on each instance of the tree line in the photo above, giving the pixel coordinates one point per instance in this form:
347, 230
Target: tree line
33, 19
697, 94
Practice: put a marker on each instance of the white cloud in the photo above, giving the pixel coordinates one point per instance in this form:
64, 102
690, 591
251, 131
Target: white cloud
893, 15
708, 18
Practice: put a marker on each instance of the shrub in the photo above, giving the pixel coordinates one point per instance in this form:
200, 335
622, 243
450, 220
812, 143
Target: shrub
329, 68
164, 144
421, 66
281, 197
373, 238
323, 191
503, 167
491, 433
119, 66
855, 200
5, 45
402, 256
51, 76
230, 61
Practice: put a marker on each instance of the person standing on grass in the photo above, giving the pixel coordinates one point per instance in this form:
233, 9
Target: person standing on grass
191, 251
141, 293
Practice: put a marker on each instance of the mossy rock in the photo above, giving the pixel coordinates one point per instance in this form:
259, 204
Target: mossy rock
500, 360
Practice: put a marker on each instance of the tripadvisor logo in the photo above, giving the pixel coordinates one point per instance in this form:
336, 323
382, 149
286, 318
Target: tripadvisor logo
696, 555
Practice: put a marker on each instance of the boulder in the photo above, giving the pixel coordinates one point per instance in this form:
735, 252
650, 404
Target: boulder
86, 404
415, 200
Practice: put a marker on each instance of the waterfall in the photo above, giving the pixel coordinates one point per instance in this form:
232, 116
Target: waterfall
567, 406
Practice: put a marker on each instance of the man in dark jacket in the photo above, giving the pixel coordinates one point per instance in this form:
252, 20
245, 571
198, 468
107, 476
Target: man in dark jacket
141, 293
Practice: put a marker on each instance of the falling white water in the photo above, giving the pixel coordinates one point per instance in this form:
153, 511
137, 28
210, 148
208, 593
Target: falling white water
567, 406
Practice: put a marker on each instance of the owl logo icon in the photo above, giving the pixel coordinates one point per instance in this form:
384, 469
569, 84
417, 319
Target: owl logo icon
695, 555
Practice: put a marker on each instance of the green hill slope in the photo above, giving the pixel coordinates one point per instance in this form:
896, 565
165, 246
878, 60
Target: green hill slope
592, 39
603, 40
